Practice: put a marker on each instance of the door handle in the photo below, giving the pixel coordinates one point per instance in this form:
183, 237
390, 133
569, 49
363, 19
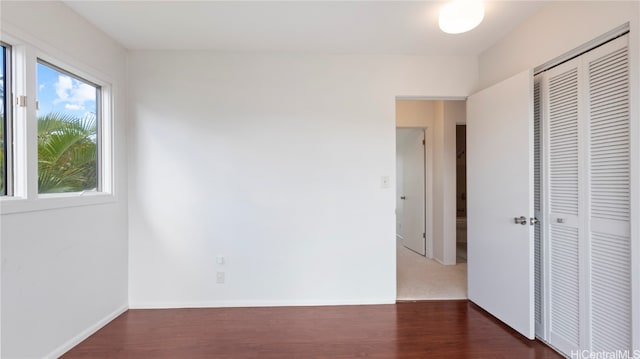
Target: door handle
533, 221
403, 197
520, 220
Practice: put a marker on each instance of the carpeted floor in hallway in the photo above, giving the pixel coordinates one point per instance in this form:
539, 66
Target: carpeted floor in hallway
419, 278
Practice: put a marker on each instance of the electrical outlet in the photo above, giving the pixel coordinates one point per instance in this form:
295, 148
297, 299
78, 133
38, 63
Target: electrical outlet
385, 182
220, 277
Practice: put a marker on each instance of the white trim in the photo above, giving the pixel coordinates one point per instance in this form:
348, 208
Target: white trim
428, 183
68, 345
542, 332
545, 230
441, 262
431, 98
19, 123
634, 95
255, 303
11, 205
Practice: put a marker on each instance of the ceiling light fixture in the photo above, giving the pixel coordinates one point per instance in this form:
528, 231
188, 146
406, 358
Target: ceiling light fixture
458, 16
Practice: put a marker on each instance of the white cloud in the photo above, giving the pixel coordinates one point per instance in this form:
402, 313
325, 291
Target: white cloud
73, 107
73, 93
83, 93
41, 87
63, 86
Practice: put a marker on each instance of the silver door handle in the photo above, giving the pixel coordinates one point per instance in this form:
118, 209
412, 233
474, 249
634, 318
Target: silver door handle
533, 221
403, 197
520, 220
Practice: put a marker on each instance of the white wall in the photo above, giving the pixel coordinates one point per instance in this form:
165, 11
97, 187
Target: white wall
273, 161
64, 271
444, 168
555, 30
454, 112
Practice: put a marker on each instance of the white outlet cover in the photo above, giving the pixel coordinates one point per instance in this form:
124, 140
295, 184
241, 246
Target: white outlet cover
220, 277
385, 182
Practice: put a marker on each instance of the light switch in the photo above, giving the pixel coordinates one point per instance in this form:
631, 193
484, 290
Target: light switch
220, 259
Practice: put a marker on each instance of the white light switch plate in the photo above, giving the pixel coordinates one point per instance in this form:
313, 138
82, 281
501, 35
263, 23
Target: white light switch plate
385, 182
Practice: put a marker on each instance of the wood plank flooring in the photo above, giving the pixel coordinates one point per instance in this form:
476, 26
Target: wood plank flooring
431, 329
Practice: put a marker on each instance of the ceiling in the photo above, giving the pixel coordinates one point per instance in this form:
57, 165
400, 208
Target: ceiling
355, 27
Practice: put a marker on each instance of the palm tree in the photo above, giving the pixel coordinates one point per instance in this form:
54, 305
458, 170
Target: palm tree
67, 153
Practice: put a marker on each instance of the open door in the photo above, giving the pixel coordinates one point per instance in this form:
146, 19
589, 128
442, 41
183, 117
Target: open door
412, 197
500, 201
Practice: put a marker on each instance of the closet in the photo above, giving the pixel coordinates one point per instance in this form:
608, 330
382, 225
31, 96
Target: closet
582, 198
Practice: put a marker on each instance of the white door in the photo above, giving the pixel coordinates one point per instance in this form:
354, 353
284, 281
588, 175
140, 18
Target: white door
500, 189
400, 141
413, 196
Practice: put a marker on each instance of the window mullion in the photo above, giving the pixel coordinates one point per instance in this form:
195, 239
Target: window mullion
20, 126
29, 119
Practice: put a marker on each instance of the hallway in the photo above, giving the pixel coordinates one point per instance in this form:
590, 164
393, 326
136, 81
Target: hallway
419, 278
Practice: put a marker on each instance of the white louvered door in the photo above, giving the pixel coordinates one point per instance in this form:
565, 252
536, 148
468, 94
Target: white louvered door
607, 73
587, 193
562, 222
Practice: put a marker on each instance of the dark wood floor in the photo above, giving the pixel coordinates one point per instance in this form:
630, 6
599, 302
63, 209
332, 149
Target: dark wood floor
434, 329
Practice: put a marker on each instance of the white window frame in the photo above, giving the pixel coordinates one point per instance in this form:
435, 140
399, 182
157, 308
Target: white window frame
25, 196
8, 121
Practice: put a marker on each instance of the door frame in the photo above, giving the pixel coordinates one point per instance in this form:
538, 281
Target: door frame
429, 161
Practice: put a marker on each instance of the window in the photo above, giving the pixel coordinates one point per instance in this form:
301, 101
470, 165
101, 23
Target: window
56, 137
5, 120
68, 131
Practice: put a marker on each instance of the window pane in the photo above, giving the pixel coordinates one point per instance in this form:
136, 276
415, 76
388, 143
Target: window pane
3, 122
67, 132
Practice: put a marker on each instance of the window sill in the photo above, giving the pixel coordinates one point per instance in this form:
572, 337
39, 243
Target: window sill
10, 205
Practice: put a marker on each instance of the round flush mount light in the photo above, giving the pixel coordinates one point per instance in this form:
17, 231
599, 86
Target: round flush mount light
458, 16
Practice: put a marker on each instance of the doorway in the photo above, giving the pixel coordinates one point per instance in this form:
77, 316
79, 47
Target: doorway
432, 273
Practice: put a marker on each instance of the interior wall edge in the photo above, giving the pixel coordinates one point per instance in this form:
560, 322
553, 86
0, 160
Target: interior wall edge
59, 351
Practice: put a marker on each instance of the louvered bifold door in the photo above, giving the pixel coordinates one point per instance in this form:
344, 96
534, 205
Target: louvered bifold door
607, 73
586, 141
561, 130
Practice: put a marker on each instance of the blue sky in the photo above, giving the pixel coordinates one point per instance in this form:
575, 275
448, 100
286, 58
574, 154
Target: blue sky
58, 92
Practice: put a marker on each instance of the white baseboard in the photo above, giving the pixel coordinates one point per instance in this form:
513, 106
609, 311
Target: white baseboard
58, 352
244, 304
443, 263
